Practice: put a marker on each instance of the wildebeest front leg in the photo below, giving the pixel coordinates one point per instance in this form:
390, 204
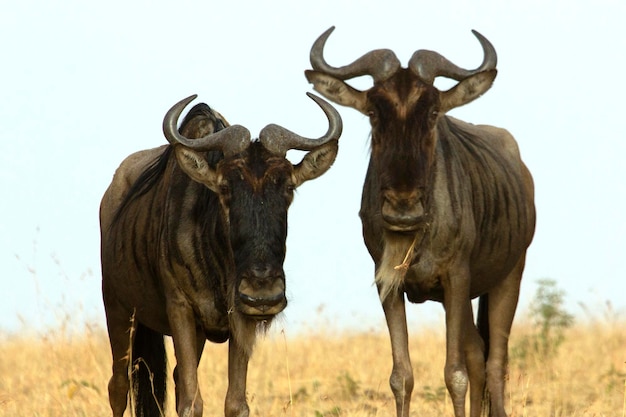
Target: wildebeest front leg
189, 401
458, 310
401, 380
236, 404
200, 341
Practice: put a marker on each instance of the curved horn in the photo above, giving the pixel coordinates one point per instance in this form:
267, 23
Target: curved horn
230, 141
428, 64
279, 140
380, 63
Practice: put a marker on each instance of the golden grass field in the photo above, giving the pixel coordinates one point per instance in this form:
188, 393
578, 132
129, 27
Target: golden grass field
323, 373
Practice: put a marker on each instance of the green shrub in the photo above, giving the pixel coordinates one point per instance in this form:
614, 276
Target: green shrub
549, 319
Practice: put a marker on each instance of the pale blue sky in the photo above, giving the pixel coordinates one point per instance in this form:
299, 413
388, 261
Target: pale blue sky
84, 84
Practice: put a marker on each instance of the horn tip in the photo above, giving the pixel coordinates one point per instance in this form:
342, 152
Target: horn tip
318, 100
482, 38
491, 57
478, 34
191, 98
324, 36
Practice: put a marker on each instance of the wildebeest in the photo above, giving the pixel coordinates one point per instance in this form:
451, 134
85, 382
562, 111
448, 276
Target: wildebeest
447, 212
193, 245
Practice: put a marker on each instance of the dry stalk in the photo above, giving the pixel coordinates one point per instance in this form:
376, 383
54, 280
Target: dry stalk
624, 405
129, 368
404, 266
288, 373
132, 367
141, 360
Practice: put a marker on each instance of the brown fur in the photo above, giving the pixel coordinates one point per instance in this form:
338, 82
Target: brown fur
193, 246
454, 200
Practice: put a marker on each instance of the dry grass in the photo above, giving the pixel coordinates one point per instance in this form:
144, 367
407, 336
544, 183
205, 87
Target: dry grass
323, 374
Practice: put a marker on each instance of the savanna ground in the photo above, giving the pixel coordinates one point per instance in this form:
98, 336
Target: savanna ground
575, 371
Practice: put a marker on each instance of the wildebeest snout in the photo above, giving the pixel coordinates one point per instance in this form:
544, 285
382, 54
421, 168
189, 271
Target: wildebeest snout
261, 291
402, 211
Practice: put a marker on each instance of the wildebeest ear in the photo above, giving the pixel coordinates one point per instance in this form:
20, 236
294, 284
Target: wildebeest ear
467, 90
316, 162
194, 164
337, 90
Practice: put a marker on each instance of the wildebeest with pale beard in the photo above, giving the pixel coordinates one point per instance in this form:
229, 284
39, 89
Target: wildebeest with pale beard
447, 212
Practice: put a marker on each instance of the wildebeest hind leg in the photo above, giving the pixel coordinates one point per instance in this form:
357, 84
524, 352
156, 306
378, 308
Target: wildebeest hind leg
119, 324
502, 302
475, 360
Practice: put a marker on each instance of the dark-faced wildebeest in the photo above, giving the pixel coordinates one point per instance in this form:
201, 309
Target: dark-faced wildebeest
447, 212
193, 245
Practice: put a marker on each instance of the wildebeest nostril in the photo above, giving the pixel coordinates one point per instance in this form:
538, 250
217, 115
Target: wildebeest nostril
403, 214
261, 271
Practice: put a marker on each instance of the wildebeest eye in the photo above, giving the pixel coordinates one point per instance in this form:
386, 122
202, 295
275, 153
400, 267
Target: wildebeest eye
224, 188
434, 113
289, 188
287, 184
